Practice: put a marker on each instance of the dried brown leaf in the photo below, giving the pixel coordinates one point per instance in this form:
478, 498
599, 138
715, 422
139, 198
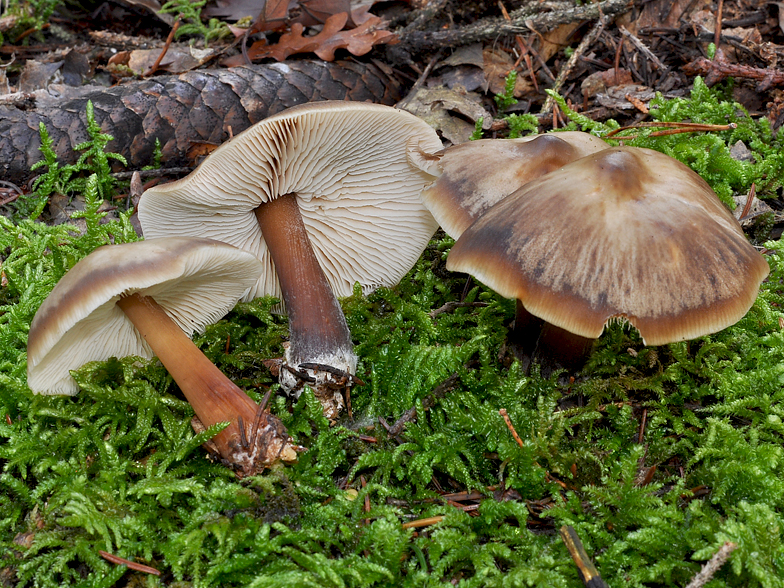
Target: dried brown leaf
358, 41
275, 14
599, 82
497, 65
177, 59
313, 12
293, 41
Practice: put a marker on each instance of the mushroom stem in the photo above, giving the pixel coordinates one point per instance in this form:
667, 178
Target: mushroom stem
318, 328
214, 398
553, 347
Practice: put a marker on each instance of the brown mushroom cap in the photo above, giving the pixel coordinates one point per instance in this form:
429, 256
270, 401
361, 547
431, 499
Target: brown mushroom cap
346, 162
624, 234
474, 176
196, 281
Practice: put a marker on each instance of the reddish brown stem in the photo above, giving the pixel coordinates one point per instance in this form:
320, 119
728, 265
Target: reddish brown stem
316, 321
552, 346
212, 395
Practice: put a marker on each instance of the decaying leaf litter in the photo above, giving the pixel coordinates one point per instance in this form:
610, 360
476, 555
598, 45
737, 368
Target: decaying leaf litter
657, 457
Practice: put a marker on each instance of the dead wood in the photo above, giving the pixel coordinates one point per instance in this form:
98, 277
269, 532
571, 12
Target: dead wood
528, 19
719, 69
197, 106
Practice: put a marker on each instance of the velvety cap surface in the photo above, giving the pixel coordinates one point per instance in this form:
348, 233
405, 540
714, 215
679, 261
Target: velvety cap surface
473, 176
196, 281
626, 234
346, 161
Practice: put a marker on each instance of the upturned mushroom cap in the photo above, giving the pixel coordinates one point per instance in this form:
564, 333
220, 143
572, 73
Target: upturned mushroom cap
196, 281
473, 176
623, 234
346, 162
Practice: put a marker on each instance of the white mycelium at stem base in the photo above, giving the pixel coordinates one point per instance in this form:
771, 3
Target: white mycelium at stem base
345, 165
318, 330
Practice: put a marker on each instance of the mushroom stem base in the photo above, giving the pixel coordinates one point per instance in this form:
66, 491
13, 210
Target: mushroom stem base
551, 346
317, 327
254, 438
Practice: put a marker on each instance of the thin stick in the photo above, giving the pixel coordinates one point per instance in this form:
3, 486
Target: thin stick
641, 433
116, 559
682, 127
420, 81
749, 200
524, 53
423, 522
637, 103
509, 425
450, 306
717, 34
657, 63
530, 18
587, 42
152, 173
437, 393
169, 40
322, 367
709, 569
719, 69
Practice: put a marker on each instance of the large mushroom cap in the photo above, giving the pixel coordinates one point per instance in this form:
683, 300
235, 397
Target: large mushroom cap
346, 161
625, 233
196, 281
474, 176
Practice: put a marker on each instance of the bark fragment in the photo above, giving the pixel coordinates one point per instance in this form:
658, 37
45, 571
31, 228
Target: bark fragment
179, 110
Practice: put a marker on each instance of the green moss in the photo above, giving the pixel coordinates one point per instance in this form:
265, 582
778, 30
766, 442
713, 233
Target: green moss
118, 468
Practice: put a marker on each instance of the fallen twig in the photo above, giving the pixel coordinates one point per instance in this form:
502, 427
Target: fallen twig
450, 306
152, 173
423, 522
712, 566
166, 46
509, 425
680, 127
116, 559
584, 45
657, 63
428, 402
419, 83
525, 20
719, 69
749, 200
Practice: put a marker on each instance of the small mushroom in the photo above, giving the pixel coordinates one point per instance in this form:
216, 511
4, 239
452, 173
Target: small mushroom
324, 196
624, 234
146, 298
473, 176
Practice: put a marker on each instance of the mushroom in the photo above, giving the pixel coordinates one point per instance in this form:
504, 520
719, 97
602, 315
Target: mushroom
324, 196
146, 298
625, 234
473, 176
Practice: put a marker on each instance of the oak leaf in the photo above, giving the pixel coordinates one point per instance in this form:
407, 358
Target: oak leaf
357, 41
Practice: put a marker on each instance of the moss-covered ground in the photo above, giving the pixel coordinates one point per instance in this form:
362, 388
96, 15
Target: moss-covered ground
656, 456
